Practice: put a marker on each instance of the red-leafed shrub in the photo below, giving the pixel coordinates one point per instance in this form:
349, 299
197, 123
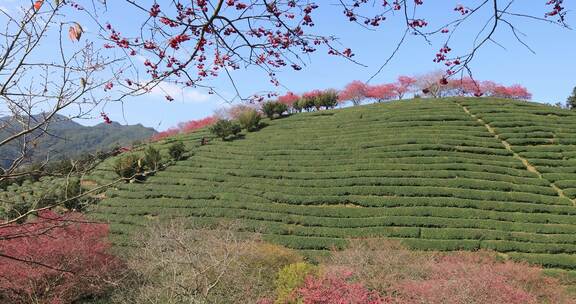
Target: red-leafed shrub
55, 259
335, 288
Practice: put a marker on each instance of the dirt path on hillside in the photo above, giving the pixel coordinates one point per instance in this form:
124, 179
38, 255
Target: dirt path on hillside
507, 146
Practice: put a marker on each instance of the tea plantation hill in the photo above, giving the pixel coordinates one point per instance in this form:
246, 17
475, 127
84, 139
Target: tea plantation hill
439, 174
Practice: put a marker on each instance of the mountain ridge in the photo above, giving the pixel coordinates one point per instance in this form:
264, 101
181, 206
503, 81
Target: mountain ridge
67, 138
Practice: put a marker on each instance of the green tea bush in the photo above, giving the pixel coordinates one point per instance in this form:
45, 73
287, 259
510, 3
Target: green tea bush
47, 191
566, 261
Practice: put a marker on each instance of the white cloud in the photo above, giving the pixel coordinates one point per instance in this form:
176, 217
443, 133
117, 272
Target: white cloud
186, 95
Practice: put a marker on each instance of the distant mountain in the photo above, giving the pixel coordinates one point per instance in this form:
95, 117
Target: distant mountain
70, 139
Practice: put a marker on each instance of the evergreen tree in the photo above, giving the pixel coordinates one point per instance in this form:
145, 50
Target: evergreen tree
571, 101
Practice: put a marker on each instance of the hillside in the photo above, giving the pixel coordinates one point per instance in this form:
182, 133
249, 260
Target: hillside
70, 139
439, 174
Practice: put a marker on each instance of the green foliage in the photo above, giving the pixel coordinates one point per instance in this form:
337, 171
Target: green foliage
571, 101
128, 166
177, 150
224, 129
273, 108
268, 108
47, 191
281, 109
327, 99
297, 106
291, 277
152, 158
249, 119
307, 103
3, 183
60, 166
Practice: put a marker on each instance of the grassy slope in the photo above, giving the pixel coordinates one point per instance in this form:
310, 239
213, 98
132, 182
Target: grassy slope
429, 172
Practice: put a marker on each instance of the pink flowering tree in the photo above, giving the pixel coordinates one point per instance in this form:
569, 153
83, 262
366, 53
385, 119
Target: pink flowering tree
165, 134
193, 125
310, 100
185, 127
512, 92
466, 86
405, 84
429, 84
288, 98
434, 84
382, 92
220, 36
354, 92
492, 89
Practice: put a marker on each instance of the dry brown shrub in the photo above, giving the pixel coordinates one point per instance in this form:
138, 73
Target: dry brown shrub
180, 265
379, 263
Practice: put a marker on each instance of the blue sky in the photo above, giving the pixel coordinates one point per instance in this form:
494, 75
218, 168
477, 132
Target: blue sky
549, 74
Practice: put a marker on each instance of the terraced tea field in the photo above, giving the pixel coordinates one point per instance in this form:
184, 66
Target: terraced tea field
442, 174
